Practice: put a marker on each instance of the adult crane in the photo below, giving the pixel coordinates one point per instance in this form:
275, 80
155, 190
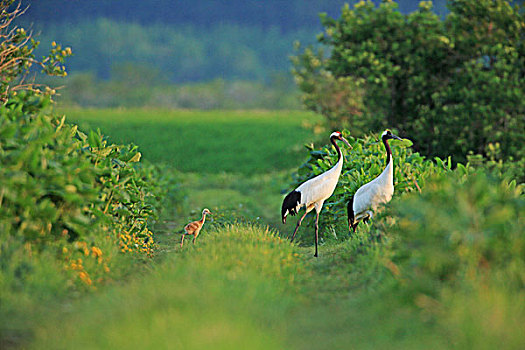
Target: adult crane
312, 193
378, 191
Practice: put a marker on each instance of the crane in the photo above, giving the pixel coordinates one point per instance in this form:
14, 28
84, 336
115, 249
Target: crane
378, 191
312, 193
194, 228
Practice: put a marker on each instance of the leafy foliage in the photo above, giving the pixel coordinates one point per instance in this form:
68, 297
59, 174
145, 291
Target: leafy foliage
458, 249
461, 227
455, 85
70, 192
362, 164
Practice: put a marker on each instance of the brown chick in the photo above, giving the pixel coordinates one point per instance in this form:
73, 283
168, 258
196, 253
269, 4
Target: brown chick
194, 228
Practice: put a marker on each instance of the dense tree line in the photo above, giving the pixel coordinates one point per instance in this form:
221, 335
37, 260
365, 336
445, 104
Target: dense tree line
179, 53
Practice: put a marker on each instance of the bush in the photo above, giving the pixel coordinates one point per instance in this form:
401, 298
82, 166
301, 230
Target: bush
460, 253
70, 193
460, 228
453, 84
69, 201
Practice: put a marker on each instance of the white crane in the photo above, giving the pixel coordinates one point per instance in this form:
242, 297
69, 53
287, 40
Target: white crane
312, 193
378, 191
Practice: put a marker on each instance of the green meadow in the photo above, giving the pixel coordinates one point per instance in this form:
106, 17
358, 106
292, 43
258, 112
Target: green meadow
243, 285
246, 142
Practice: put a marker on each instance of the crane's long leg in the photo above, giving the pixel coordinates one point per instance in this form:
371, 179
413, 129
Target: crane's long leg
316, 233
195, 236
298, 224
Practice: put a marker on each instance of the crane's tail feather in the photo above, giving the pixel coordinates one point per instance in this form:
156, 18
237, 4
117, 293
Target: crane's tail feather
351, 217
290, 204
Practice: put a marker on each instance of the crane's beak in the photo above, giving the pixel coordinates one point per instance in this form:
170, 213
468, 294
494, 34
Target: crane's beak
397, 137
346, 141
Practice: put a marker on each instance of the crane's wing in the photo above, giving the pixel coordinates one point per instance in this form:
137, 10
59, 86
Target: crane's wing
192, 227
319, 188
364, 197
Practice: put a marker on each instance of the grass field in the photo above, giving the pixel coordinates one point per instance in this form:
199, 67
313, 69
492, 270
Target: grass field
245, 142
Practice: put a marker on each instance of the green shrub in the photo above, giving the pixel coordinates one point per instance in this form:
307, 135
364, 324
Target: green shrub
459, 250
454, 84
460, 228
69, 192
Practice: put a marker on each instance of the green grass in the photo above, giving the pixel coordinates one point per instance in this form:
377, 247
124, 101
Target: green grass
231, 291
241, 287
247, 142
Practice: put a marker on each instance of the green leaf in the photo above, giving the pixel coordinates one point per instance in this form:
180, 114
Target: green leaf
402, 143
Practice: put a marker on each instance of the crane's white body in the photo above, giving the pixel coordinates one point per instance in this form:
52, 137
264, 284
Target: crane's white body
378, 191
315, 191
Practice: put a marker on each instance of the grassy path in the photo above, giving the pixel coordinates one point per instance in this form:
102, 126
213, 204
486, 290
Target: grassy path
241, 286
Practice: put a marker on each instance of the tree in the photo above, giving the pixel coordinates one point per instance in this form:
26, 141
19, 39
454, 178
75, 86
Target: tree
453, 85
17, 53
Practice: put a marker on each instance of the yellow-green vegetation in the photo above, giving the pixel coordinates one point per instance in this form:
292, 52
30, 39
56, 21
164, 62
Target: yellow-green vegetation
415, 286
244, 142
230, 291
461, 252
83, 265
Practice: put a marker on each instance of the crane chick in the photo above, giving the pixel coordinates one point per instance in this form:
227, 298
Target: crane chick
378, 191
312, 193
194, 228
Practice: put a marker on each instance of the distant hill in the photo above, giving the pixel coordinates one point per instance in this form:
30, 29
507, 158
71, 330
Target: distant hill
288, 15
182, 41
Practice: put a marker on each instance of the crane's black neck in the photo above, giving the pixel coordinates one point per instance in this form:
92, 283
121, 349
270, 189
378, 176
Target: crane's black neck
388, 151
339, 153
